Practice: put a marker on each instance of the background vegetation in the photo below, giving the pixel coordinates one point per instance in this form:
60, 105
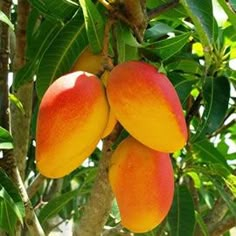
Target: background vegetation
192, 41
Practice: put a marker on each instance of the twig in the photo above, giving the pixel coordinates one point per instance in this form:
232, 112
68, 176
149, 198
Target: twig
159, 10
193, 109
35, 185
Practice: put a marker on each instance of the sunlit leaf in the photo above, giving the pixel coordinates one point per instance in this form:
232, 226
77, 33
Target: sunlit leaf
201, 13
94, 24
206, 152
5, 19
6, 140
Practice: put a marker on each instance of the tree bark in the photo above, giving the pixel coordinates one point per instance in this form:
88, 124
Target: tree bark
5, 6
20, 122
98, 207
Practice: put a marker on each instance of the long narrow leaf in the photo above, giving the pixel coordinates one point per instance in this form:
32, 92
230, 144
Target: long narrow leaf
60, 56
94, 25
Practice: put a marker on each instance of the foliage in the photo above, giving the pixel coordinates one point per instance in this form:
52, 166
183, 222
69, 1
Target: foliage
194, 48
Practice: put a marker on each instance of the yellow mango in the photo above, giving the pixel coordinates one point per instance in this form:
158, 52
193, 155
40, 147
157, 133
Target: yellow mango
145, 102
72, 117
143, 183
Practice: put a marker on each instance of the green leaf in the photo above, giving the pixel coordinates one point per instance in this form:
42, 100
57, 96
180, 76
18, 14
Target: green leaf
228, 11
158, 30
185, 65
8, 219
169, 47
115, 213
201, 224
39, 44
10, 194
207, 153
6, 140
62, 53
13, 99
216, 93
172, 13
182, 85
94, 25
181, 216
5, 19
233, 4
56, 205
225, 196
201, 13
54, 9
126, 44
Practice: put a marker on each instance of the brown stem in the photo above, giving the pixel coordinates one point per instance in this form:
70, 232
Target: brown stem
98, 207
20, 122
5, 7
31, 221
223, 226
159, 10
35, 185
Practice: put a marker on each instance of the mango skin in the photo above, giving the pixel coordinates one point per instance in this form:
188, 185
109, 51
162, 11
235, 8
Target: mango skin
72, 117
89, 62
145, 102
143, 183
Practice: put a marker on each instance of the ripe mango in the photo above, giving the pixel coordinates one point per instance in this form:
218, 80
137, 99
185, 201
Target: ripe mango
145, 102
89, 62
143, 183
72, 117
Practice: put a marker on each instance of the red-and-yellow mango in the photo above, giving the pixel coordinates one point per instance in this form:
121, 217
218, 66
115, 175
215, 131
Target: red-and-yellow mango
145, 102
143, 183
72, 117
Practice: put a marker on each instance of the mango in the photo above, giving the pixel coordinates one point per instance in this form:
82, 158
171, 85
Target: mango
145, 102
89, 62
110, 124
72, 117
143, 183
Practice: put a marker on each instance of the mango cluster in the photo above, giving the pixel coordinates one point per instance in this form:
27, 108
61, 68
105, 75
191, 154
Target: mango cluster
78, 110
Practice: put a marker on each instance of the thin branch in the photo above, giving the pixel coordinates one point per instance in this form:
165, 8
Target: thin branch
161, 9
31, 220
35, 185
223, 226
193, 109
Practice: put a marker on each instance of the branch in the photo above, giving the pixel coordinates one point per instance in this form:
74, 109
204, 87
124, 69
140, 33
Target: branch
161, 9
35, 185
223, 226
5, 7
20, 122
8, 163
98, 206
